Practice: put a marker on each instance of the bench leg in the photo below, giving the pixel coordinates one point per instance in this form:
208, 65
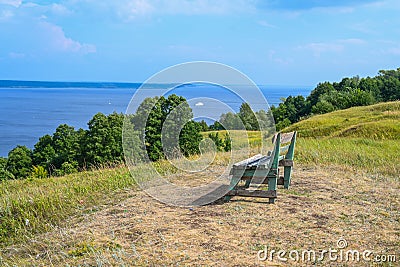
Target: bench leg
287, 172
234, 181
271, 200
247, 184
272, 184
227, 198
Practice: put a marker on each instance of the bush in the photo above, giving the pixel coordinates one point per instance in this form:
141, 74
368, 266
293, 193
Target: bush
322, 107
39, 172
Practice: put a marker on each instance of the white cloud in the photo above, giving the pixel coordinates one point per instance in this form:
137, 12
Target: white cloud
59, 42
199, 104
14, 3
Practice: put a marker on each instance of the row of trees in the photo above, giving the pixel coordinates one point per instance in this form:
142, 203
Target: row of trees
349, 92
68, 150
246, 118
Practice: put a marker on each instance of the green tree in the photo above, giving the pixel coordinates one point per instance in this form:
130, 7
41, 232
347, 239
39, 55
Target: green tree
321, 89
248, 117
322, 107
347, 83
175, 116
4, 173
222, 144
104, 139
66, 143
227, 143
190, 138
231, 121
19, 162
390, 90
219, 143
134, 149
283, 124
216, 126
264, 119
372, 85
203, 126
44, 153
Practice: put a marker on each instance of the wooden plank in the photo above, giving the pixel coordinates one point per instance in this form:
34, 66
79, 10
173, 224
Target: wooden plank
262, 161
281, 180
247, 161
290, 153
255, 193
255, 172
285, 137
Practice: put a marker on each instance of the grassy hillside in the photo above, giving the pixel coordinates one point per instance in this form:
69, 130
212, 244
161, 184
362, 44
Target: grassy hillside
31, 206
378, 122
364, 138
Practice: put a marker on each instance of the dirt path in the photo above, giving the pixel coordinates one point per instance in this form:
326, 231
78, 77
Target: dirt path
322, 206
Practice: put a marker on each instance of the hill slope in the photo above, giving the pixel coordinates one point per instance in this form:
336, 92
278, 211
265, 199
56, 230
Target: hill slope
378, 122
364, 138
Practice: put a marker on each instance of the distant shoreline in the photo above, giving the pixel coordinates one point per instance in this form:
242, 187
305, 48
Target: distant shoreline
53, 84
129, 85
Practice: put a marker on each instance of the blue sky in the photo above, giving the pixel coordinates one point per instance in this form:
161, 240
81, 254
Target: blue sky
280, 42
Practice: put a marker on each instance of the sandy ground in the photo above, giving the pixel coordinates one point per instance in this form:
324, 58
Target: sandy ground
323, 205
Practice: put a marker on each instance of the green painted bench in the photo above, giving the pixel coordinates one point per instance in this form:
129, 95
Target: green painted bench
251, 176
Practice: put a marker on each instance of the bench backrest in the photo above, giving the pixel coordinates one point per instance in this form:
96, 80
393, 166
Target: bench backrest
284, 152
283, 147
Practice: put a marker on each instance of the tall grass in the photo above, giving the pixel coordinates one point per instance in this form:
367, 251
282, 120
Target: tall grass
31, 206
241, 138
379, 157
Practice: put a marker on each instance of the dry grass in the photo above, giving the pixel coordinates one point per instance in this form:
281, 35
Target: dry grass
322, 205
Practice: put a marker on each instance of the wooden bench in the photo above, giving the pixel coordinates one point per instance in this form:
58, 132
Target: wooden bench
258, 171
